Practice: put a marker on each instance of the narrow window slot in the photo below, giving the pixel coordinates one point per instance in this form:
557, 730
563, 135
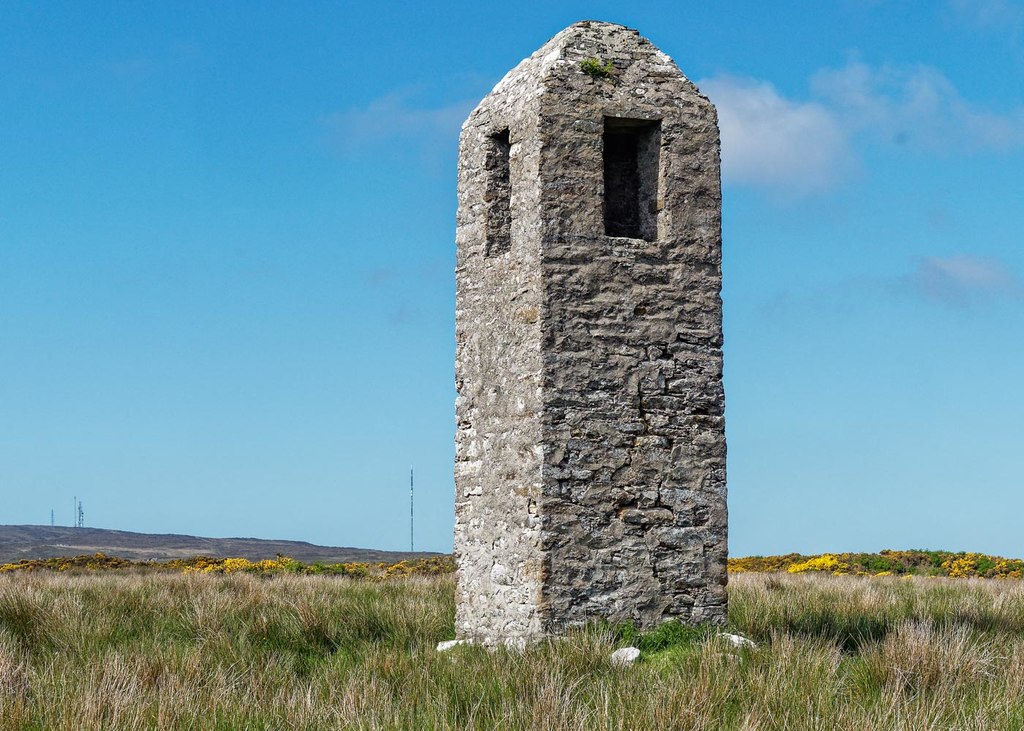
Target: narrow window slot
498, 194
631, 162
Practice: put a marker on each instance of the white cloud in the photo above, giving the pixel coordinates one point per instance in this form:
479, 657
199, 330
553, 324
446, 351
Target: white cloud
774, 142
801, 146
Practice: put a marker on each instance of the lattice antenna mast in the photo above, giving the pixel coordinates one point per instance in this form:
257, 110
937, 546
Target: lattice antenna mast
51, 517
412, 514
81, 515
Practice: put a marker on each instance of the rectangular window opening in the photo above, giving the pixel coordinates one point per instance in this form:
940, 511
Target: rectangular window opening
498, 194
631, 162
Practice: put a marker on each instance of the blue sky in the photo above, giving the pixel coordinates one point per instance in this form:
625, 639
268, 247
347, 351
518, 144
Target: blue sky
226, 262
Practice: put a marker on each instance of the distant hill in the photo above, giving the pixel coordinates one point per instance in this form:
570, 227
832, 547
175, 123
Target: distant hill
43, 541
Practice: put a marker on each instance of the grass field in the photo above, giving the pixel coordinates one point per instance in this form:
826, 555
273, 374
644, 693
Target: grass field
237, 651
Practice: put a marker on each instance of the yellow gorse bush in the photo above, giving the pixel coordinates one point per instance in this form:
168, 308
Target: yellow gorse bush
825, 562
1009, 568
961, 567
266, 567
887, 563
884, 563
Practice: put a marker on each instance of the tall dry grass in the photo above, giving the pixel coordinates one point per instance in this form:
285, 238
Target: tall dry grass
305, 652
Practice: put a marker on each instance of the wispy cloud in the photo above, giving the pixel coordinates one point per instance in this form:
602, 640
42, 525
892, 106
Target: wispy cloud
964, 279
915, 106
395, 117
798, 146
989, 14
381, 276
134, 70
959, 281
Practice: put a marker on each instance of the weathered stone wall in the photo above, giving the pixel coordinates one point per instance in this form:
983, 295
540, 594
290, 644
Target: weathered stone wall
590, 447
497, 373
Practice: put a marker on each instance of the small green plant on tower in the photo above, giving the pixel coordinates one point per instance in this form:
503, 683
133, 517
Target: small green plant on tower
593, 68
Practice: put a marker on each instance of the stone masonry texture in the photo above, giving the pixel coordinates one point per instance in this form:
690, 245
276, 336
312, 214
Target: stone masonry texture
590, 443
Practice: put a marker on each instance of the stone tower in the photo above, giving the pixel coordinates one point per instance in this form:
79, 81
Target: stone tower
590, 447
